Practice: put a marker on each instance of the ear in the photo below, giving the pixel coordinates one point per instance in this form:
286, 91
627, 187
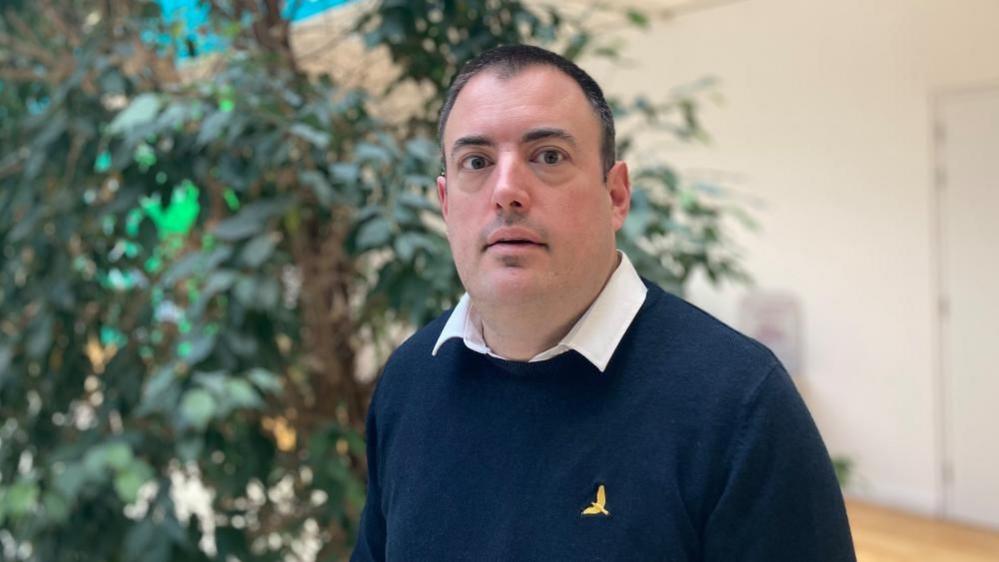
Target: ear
619, 188
442, 194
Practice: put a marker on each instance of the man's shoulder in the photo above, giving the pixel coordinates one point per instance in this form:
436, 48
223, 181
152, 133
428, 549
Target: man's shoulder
420, 345
412, 357
689, 354
684, 327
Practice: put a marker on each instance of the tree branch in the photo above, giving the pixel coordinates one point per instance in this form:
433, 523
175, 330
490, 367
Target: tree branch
19, 75
75, 148
31, 45
57, 19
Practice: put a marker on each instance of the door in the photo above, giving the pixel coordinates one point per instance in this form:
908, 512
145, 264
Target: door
969, 278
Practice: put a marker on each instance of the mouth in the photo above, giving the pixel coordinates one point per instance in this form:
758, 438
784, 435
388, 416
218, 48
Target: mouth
513, 244
513, 239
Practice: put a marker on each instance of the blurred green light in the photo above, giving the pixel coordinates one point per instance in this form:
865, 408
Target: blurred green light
230, 199
184, 349
144, 156
153, 264
226, 105
119, 280
132, 222
180, 215
103, 162
111, 336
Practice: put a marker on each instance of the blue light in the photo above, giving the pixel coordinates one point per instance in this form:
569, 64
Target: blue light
193, 14
309, 8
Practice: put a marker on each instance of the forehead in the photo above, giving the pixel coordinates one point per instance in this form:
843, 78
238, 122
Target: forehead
504, 107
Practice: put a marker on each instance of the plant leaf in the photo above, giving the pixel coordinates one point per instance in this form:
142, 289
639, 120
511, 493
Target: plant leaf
142, 110
198, 407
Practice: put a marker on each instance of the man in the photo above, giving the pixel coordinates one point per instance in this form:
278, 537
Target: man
566, 409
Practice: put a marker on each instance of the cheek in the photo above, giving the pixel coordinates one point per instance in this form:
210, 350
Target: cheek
464, 212
462, 245
582, 219
461, 233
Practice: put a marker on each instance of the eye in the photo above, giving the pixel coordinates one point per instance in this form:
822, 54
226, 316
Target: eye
550, 156
474, 162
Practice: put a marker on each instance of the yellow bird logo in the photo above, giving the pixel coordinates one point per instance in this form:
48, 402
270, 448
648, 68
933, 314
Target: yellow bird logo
597, 507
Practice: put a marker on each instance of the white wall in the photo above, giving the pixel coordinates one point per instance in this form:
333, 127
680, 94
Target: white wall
828, 119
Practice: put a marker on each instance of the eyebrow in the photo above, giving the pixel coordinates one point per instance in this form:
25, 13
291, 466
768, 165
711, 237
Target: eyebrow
471, 140
549, 133
530, 136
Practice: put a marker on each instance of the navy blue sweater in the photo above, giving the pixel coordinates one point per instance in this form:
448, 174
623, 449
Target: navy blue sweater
692, 445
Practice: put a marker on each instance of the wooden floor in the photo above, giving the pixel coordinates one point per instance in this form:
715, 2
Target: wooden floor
885, 535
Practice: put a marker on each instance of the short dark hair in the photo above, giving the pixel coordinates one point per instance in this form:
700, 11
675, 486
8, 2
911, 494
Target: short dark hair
509, 60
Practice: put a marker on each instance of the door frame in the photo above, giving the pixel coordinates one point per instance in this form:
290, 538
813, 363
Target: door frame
941, 377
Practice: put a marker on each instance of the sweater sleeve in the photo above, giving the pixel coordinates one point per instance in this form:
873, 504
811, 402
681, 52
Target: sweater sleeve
780, 500
371, 536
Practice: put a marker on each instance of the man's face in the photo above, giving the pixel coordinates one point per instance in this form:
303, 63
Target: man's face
529, 215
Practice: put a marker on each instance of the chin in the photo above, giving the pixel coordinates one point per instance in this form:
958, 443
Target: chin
510, 287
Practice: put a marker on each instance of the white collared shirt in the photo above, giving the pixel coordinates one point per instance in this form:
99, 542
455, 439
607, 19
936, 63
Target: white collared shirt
595, 335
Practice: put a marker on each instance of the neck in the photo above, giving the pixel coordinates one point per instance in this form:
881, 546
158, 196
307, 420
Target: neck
519, 332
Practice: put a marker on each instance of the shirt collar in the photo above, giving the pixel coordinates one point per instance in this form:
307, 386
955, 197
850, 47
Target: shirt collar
595, 335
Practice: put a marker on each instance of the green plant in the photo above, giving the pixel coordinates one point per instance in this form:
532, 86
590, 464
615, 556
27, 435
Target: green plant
193, 259
844, 467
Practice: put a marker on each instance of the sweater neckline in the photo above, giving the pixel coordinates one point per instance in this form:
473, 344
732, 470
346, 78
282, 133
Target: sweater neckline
571, 362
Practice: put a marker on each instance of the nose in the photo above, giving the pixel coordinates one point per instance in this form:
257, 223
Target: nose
511, 192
